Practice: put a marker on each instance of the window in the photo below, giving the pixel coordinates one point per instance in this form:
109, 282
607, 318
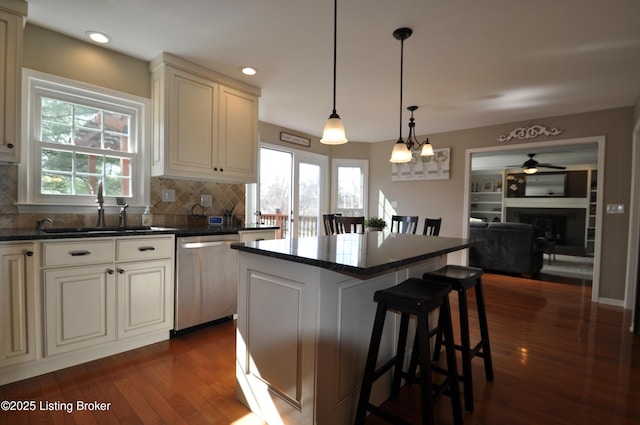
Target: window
350, 186
76, 136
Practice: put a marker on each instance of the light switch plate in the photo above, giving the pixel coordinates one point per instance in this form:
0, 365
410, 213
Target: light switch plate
168, 195
206, 201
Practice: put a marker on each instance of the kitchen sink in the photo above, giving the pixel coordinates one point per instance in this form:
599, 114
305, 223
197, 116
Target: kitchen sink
114, 229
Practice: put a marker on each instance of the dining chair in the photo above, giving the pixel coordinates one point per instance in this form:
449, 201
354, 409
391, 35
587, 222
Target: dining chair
349, 224
330, 223
404, 223
432, 226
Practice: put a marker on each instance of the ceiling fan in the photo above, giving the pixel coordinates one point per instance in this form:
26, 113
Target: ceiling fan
531, 165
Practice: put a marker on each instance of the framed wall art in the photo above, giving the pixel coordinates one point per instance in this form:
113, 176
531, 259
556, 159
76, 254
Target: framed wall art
434, 167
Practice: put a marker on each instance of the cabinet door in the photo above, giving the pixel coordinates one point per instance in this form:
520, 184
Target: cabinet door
145, 301
192, 127
238, 138
79, 307
17, 304
10, 66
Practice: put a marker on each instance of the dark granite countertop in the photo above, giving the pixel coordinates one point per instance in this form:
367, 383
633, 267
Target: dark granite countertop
360, 255
32, 234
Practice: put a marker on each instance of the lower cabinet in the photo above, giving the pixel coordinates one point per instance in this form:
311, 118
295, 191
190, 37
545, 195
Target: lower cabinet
129, 293
79, 307
144, 297
17, 303
93, 297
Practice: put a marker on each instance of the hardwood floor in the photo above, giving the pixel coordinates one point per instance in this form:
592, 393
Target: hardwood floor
558, 359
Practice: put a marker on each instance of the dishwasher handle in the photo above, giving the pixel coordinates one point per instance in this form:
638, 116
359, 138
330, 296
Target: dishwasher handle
194, 245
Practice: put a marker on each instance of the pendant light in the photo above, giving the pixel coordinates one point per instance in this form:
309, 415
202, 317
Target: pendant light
333, 133
402, 150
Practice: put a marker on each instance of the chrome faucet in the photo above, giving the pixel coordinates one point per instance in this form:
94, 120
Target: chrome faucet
123, 216
100, 201
40, 223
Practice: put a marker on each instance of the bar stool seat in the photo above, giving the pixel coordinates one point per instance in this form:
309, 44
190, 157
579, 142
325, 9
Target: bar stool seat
461, 279
416, 297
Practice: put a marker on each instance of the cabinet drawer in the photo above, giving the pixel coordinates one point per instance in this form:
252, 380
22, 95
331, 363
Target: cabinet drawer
142, 248
257, 235
77, 252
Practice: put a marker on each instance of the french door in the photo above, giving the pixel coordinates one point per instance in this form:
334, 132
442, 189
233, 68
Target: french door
292, 190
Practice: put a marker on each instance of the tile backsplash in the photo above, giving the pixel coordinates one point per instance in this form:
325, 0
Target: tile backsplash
226, 197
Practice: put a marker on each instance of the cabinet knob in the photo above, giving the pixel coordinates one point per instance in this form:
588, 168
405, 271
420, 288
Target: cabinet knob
110, 271
29, 253
121, 271
221, 170
10, 145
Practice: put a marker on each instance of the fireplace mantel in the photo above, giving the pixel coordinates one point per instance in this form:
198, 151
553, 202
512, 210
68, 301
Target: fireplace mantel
546, 203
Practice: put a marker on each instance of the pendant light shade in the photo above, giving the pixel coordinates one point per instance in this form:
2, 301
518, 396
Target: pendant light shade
400, 153
333, 133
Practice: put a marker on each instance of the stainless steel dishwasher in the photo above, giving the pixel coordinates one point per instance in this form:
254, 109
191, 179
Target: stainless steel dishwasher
206, 279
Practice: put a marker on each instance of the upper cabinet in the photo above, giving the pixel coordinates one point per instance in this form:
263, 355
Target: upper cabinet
205, 124
12, 18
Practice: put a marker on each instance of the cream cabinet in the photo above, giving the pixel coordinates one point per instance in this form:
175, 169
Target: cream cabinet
99, 291
144, 285
12, 17
256, 235
17, 303
79, 307
205, 125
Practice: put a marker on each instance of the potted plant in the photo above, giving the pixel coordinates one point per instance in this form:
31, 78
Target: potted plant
375, 223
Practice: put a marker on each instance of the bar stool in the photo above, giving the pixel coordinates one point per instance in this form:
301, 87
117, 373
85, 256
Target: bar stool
413, 297
461, 279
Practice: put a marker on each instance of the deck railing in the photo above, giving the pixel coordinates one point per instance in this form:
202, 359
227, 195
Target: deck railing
307, 225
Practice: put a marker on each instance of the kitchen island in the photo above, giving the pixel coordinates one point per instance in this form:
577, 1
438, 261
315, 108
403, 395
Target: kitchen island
305, 313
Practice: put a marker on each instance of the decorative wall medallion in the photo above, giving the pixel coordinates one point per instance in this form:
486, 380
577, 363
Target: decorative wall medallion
530, 132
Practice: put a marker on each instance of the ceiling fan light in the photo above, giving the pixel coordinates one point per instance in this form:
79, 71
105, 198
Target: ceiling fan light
530, 170
427, 149
333, 133
400, 153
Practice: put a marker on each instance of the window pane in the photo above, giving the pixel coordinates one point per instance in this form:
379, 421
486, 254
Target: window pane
117, 186
55, 133
91, 164
56, 111
88, 117
56, 184
84, 185
350, 188
54, 160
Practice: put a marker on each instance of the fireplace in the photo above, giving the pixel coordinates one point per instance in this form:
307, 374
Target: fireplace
564, 226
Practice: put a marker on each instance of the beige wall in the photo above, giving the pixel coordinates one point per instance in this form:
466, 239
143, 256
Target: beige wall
445, 198
58, 54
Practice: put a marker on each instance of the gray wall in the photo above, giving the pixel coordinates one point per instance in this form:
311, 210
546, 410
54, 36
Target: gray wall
444, 198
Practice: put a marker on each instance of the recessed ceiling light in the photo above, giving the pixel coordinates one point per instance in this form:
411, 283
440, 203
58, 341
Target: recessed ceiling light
98, 37
247, 70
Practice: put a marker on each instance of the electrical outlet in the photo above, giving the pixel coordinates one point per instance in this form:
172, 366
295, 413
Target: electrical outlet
206, 201
615, 208
168, 195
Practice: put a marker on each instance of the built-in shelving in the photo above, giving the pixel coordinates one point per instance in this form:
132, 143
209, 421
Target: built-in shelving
486, 196
590, 238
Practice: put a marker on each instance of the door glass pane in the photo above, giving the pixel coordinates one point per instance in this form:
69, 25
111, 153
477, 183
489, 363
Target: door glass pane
350, 200
308, 199
275, 188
